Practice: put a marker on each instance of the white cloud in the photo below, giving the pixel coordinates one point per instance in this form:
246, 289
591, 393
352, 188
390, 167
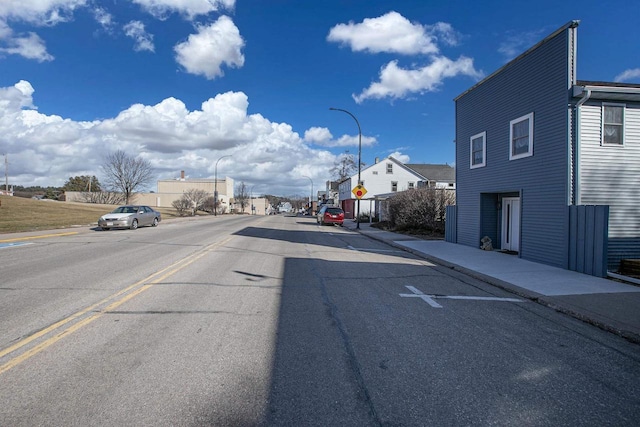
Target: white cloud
104, 18
29, 46
628, 75
36, 12
48, 149
39, 12
14, 98
189, 8
204, 53
391, 33
396, 82
322, 137
317, 135
515, 44
144, 40
403, 158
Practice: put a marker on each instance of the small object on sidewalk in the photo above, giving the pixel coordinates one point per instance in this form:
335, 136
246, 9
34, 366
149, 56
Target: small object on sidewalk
486, 244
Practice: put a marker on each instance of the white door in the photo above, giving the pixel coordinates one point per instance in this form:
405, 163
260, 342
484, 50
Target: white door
511, 224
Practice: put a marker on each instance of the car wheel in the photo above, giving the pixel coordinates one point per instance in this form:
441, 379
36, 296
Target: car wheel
155, 222
134, 224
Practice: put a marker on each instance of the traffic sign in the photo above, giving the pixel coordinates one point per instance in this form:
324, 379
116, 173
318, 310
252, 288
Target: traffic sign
359, 191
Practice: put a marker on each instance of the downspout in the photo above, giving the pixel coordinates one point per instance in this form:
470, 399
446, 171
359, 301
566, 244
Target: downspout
585, 97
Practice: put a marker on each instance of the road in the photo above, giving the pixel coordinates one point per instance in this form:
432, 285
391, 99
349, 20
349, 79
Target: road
276, 321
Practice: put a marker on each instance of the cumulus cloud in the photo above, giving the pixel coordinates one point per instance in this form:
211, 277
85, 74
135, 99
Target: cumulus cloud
48, 149
213, 46
396, 82
143, 40
628, 76
161, 9
391, 33
403, 158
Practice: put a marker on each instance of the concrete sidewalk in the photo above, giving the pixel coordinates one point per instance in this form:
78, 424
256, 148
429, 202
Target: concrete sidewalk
608, 304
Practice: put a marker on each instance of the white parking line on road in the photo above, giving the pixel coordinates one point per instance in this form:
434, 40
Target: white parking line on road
11, 245
372, 250
430, 299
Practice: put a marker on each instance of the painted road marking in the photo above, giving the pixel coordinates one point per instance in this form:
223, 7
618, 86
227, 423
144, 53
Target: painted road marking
430, 299
12, 245
97, 310
42, 236
372, 250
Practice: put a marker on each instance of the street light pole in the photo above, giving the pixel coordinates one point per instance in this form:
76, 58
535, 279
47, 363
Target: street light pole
215, 186
310, 195
359, 157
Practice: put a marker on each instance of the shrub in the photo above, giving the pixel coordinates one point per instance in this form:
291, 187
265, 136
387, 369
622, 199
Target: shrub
183, 205
420, 209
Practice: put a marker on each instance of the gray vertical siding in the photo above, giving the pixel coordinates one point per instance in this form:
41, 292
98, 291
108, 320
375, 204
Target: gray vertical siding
537, 82
610, 176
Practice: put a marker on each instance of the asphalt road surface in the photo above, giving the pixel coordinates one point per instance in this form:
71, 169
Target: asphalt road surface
276, 321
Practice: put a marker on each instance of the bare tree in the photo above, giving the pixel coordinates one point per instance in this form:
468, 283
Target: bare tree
102, 197
241, 195
345, 166
192, 200
126, 174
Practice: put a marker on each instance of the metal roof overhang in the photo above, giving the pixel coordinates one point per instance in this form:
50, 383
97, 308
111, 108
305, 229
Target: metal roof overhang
608, 93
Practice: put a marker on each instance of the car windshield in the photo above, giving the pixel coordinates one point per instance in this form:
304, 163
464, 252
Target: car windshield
125, 209
334, 211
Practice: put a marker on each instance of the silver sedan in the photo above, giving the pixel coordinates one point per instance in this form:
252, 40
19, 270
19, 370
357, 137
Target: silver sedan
131, 216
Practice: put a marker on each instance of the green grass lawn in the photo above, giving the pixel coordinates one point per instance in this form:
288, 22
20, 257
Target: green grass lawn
19, 214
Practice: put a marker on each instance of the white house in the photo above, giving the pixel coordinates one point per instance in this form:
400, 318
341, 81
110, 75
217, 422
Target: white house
390, 176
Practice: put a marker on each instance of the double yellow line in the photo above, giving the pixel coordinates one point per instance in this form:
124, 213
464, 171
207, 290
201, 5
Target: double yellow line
118, 299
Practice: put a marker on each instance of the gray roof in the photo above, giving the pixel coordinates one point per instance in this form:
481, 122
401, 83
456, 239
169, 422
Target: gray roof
440, 173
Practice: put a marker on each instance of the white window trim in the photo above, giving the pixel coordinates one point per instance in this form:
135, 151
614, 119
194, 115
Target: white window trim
482, 135
624, 110
529, 152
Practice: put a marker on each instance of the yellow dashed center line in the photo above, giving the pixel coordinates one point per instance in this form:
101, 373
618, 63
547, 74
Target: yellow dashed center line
126, 294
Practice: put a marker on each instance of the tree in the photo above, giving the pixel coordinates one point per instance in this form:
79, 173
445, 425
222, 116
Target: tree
126, 174
82, 183
345, 166
241, 195
192, 200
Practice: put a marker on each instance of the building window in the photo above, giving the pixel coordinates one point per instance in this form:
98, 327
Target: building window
389, 167
521, 137
394, 185
411, 186
375, 172
613, 124
478, 149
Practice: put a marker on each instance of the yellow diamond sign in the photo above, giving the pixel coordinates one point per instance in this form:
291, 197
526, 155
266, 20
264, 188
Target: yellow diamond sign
359, 191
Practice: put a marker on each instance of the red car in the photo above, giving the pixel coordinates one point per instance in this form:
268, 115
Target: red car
330, 215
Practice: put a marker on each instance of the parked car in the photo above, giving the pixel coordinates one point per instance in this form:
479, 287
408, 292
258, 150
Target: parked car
330, 215
130, 217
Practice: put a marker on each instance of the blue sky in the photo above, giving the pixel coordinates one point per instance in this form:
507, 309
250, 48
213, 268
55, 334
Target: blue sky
183, 83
